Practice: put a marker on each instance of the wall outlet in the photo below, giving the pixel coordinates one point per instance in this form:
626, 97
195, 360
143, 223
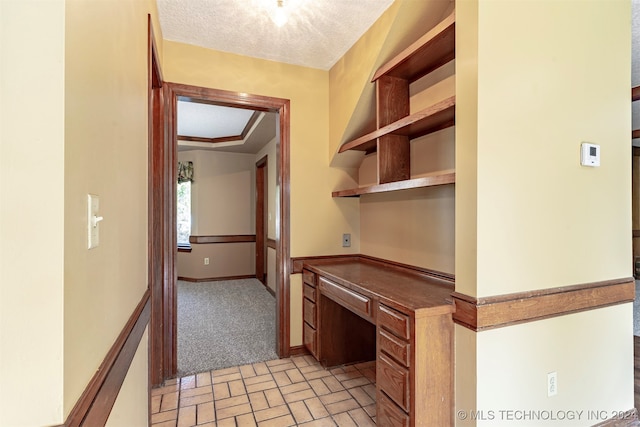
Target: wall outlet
206, 261
346, 240
552, 384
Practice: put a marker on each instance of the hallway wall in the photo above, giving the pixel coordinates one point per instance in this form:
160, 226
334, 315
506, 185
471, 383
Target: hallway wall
74, 121
222, 203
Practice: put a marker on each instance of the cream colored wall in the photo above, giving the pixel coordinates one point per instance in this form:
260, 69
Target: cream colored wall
222, 203
532, 222
415, 227
31, 212
105, 154
317, 221
126, 411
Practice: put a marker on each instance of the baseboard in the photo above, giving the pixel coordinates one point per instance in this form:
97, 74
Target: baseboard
298, 350
215, 279
97, 400
624, 419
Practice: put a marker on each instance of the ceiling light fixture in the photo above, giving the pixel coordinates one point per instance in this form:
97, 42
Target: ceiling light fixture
280, 15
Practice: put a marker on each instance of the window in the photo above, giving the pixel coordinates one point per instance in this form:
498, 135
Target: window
184, 213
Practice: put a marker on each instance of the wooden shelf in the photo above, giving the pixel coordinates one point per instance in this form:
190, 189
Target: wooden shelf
427, 181
436, 117
434, 49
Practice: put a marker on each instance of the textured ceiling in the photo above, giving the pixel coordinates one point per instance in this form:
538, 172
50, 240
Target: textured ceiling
316, 35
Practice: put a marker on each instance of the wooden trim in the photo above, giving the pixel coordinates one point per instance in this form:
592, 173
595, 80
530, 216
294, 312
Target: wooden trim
635, 151
627, 419
235, 238
97, 400
498, 311
184, 249
254, 118
158, 248
271, 291
408, 184
210, 140
215, 279
298, 262
425, 271
635, 93
261, 209
271, 243
298, 350
636, 233
258, 103
635, 134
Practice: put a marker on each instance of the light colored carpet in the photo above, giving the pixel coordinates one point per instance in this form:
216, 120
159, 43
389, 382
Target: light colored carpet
223, 324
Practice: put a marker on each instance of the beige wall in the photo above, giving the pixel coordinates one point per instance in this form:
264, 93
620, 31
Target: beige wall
531, 222
317, 221
87, 133
31, 211
105, 154
222, 203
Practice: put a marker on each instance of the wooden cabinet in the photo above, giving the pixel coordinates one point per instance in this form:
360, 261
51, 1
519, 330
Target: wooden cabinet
309, 312
409, 315
396, 126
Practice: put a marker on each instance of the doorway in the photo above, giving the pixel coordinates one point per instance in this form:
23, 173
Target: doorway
164, 336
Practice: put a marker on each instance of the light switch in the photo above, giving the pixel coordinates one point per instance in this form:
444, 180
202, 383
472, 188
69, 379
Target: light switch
93, 220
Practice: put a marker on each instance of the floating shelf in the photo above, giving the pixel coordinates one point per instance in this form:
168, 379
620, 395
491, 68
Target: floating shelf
434, 49
431, 119
427, 181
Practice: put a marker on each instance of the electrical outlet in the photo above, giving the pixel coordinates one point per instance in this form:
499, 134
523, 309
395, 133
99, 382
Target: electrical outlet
552, 384
346, 240
206, 261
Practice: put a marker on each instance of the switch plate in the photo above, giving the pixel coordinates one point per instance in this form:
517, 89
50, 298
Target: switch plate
206, 261
93, 227
346, 240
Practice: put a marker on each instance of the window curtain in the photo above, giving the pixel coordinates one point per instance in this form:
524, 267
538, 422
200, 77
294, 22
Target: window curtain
185, 172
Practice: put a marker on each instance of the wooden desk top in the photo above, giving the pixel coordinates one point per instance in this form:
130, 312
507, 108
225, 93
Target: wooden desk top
392, 285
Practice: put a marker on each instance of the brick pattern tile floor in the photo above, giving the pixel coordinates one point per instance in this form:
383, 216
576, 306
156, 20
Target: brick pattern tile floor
285, 392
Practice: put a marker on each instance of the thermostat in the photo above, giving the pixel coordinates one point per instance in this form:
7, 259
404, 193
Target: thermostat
589, 154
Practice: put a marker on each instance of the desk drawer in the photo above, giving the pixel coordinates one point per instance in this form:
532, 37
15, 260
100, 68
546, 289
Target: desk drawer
388, 414
309, 292
394, 347
309, 277
393, 379
309, 338
309, 313
394, 321
354, 301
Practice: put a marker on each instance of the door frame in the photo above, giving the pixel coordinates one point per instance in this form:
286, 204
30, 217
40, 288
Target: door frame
262, 207
164, 332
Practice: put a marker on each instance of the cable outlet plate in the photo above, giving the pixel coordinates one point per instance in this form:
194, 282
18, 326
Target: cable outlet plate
346, 240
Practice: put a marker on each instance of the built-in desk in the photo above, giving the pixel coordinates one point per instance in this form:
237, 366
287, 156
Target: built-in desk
356, 309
